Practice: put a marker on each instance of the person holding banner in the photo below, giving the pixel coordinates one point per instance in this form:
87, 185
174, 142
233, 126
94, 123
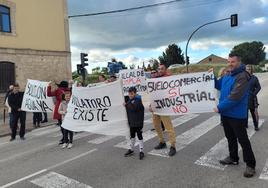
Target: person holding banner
62, 87
68, 135
135, 114
157, 119
233, 107
15, 102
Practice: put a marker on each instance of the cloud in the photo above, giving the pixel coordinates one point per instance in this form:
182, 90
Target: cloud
259, 21
140, 31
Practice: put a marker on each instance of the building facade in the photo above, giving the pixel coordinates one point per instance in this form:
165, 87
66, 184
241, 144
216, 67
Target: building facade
34, 41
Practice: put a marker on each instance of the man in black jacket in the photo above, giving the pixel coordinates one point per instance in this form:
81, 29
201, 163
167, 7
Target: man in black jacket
254, 88
15, 102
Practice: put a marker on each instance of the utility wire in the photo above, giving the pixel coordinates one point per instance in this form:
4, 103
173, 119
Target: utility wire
189, 4
125, 10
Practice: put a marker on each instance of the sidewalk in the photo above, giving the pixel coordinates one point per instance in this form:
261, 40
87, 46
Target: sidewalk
5, 130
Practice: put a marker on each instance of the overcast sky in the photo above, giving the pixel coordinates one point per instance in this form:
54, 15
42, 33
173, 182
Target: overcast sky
134, 37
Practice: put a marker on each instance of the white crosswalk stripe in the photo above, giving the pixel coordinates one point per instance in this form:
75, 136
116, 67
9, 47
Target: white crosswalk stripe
264, 173
190, 136
55, 180
220, 151
147, 135
101, 139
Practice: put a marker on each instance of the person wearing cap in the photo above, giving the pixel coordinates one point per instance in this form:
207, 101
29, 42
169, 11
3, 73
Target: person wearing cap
61, 88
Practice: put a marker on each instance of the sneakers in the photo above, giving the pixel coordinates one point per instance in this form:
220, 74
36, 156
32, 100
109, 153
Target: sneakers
22, 138
129, 153
257, 129
249, 172
228, 161
172, 151
141, 155
160, 146
70, 145
64, 146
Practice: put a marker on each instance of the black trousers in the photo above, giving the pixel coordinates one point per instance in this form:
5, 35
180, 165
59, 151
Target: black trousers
37, 118
134, 131
45, 116
16, 117
61, 129
235, 129
68, 136
254, 117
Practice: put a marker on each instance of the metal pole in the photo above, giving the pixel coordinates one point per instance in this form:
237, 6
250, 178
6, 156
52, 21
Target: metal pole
186, 50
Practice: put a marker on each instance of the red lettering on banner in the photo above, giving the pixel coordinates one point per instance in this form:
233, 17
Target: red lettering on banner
180, 109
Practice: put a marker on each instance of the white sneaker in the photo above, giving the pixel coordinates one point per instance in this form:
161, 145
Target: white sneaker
70, 146
64, 146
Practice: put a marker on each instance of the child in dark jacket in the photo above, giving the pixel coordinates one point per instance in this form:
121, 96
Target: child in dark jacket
135, 113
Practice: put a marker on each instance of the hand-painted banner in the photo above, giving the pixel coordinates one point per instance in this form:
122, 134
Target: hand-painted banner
133, 77
97, 109
182, 94
35, 97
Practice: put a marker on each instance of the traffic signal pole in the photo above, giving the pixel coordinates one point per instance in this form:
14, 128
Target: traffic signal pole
234, 22
81, 70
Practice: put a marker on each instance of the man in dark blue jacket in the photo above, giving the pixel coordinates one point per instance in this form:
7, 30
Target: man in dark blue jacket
233, 107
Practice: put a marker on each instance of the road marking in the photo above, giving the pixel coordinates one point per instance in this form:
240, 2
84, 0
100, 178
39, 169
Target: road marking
48, 169
56, 180
26, 152
190, 136
44, 132
220, 150
147, 135
264, 174
78, 136
101, 139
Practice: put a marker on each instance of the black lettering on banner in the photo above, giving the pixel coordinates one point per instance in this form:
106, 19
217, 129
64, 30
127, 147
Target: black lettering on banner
36, 91
43, 105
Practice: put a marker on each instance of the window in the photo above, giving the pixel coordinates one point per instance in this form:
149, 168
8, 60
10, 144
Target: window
5, 25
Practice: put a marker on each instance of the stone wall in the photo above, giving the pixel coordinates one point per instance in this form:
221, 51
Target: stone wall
38, 65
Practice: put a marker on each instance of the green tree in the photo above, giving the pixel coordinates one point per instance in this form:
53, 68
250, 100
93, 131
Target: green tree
96, 70
104, 70
250, 52
154, 63
172, 55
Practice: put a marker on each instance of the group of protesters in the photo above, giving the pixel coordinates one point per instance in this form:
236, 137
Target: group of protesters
238, 89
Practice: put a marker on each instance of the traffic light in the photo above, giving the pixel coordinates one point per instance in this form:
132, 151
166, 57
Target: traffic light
84, 59
79, 69
234, 20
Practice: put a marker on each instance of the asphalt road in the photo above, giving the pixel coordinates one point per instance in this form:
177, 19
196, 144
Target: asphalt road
97, 160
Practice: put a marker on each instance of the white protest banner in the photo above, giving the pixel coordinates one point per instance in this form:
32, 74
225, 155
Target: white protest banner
182, 94
35, 97
98, 110
133, 77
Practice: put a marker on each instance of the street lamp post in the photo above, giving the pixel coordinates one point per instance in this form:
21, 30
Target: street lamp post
233, 19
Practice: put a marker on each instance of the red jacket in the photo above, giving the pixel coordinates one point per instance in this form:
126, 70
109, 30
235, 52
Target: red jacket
58, 94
